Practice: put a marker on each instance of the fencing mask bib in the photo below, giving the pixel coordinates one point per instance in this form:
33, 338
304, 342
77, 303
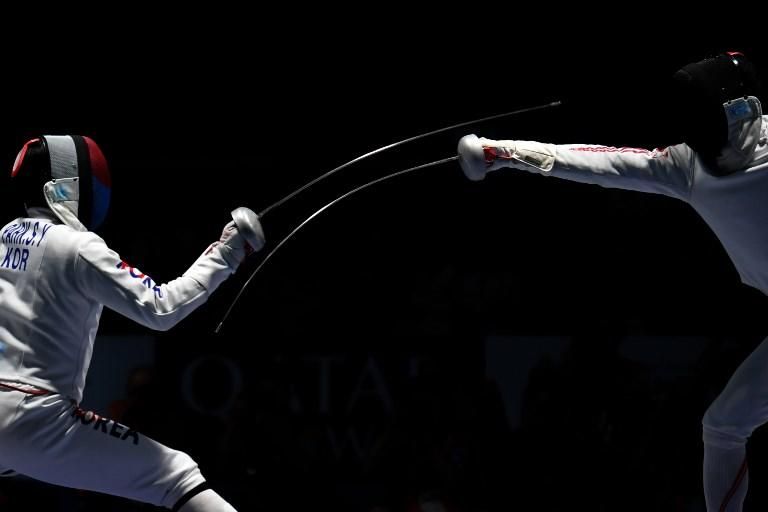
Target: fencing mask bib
69, 175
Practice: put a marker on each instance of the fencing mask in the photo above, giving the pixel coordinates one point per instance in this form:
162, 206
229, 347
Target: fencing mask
69, 175
710, 96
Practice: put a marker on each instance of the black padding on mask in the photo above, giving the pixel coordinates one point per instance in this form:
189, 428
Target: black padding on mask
85, 203
699, 91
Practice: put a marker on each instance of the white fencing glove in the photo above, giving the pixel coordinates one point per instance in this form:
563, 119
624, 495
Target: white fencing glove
478, 155
243, 234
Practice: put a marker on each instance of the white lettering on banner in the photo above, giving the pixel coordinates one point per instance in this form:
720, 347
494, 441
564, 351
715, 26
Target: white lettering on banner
324, 378
342, 392
234, 378
371, 383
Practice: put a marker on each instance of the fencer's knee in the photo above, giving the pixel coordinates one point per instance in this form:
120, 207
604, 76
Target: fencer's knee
184, 462
185, 479
722, 428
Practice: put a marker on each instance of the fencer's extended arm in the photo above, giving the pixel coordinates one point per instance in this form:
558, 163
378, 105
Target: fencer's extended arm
668, 171
103, 275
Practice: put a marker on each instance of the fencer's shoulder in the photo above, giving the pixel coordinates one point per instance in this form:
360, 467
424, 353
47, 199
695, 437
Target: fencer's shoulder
89, 242
65, 240
74, 237
93, 251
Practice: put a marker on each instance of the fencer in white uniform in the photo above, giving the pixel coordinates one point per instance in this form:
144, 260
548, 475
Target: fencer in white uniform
722, 172
55, 277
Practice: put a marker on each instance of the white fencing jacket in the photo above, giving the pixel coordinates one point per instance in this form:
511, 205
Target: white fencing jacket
735, 206
54, 281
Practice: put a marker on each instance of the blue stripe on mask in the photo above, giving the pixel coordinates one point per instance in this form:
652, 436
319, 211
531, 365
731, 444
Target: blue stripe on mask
101, 197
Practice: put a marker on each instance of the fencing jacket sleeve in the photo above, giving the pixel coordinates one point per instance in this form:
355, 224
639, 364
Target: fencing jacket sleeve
668, 171
105, 277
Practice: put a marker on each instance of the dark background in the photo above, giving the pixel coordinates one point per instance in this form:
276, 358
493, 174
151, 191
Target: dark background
354, 373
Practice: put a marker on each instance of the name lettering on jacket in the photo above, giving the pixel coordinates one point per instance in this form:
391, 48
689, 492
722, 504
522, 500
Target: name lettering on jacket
19, 238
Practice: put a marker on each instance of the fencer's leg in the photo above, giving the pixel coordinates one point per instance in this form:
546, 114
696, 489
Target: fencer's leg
207, 501
50, 438
725, 478
727, 424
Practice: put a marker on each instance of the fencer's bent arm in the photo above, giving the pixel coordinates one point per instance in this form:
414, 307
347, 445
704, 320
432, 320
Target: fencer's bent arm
103, 275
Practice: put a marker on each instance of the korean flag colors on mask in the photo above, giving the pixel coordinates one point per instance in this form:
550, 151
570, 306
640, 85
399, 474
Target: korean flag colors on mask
75, 177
